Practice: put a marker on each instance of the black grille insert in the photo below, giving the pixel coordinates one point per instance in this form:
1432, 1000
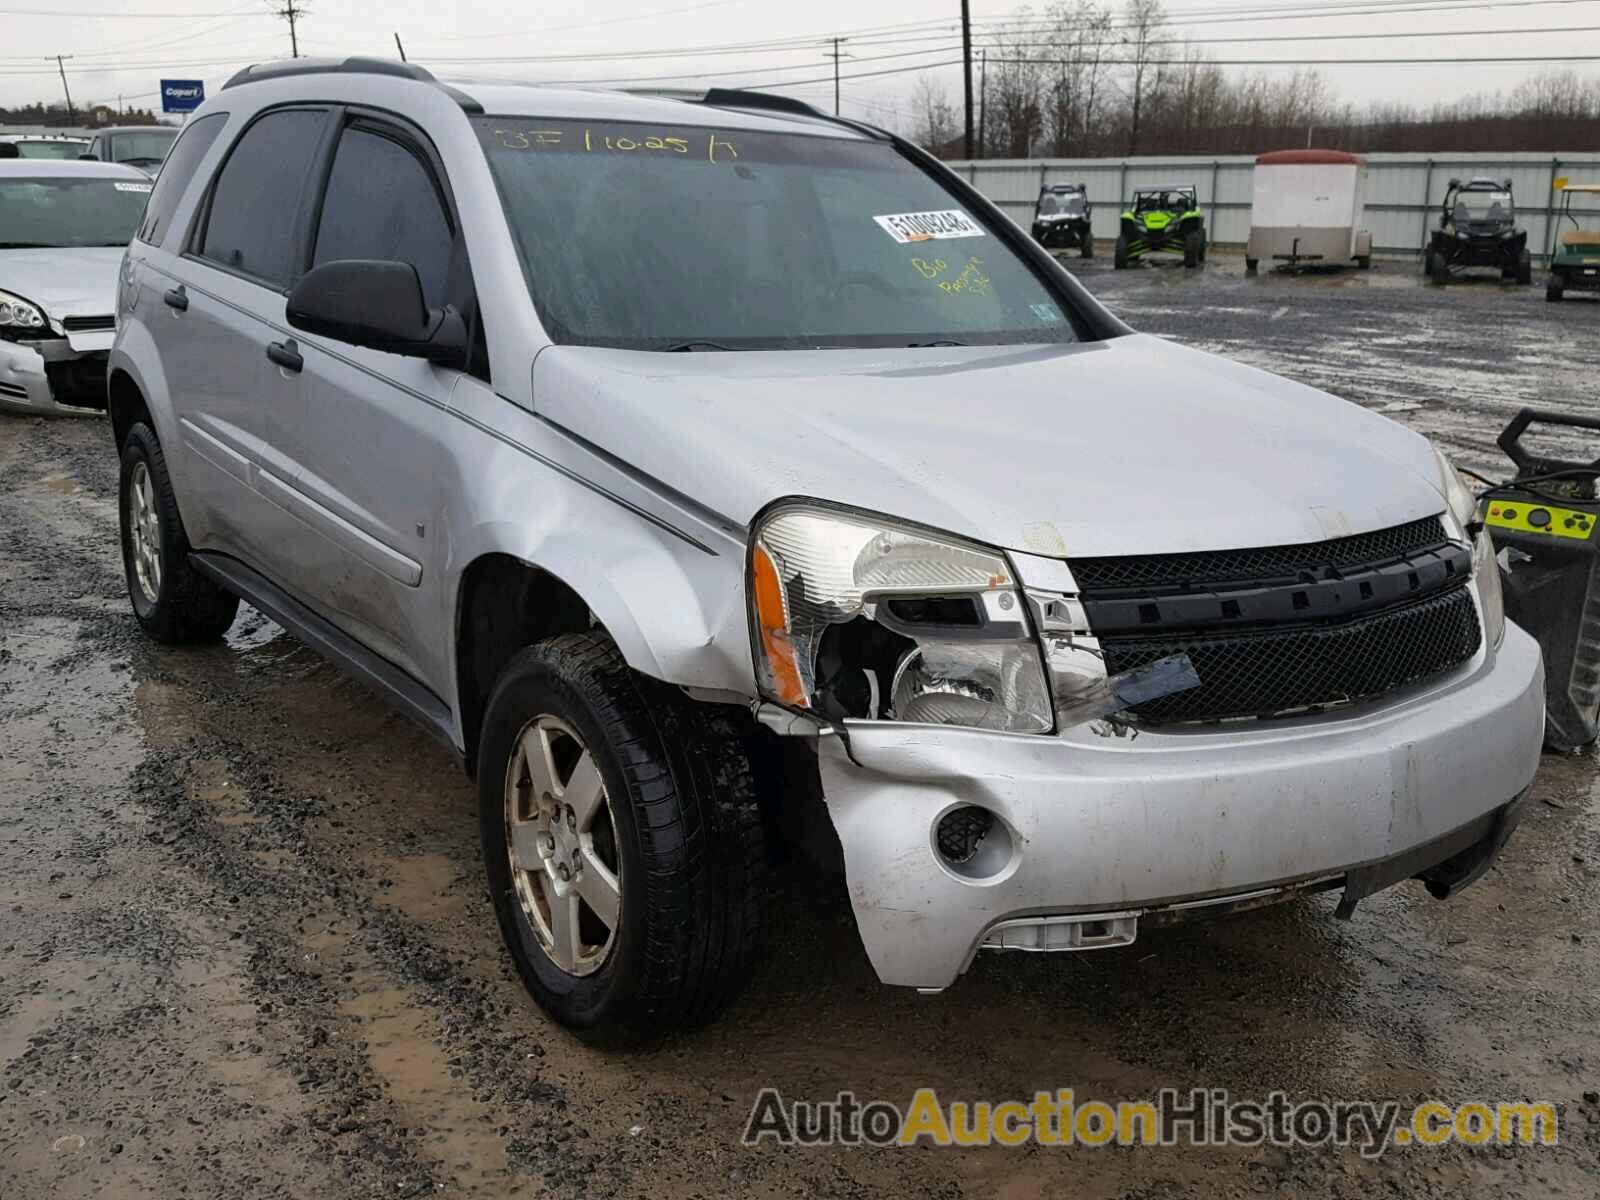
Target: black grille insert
1256, 564
88, 324
1290, 668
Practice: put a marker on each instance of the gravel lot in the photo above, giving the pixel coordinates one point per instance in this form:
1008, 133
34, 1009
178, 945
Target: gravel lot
245, 951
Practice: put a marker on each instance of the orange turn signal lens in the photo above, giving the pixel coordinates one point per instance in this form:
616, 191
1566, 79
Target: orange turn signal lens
772, 623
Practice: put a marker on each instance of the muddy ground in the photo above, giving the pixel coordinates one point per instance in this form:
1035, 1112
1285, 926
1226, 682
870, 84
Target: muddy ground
245, 950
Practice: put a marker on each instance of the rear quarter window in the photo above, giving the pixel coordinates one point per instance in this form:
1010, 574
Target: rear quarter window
176, 174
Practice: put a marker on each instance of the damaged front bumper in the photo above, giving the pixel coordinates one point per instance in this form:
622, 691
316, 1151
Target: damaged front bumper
55, 375
1089, 835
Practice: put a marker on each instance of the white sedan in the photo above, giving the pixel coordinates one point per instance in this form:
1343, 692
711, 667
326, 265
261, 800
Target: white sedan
63, 227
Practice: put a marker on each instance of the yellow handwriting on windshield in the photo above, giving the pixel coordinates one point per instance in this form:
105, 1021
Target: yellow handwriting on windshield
970, 282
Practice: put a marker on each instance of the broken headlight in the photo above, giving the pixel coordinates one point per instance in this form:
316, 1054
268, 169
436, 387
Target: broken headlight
1485, 568
855, 616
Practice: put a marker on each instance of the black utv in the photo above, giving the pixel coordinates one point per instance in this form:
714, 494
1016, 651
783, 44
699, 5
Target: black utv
1478, 228
1061, 218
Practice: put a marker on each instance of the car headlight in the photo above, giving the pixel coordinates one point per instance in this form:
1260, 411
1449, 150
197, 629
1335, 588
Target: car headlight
857, 616
1485, 569
1486, 574
19, 315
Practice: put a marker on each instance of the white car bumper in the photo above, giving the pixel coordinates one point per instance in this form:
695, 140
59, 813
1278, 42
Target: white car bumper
25, 376
1093, 833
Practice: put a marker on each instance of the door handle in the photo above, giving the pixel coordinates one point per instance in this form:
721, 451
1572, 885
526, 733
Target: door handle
286, 354
177, 298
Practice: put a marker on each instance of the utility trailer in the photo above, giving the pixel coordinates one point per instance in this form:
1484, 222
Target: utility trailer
1307, 208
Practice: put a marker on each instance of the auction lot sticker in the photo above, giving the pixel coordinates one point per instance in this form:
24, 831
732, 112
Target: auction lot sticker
929, 226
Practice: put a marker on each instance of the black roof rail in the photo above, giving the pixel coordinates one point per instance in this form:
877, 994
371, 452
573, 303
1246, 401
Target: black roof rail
771, 102
354, 65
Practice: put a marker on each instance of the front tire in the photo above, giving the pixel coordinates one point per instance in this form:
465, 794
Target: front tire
1193, 249
1086, 246
1555, 288
1119, 254
1434, 267
1525, 268
621, 841
173, 602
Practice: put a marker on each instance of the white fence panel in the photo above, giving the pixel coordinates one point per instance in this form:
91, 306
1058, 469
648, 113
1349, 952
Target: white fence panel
1404, 191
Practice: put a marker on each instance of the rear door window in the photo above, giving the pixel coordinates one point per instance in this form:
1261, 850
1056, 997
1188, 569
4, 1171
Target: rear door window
257, 197
382, 202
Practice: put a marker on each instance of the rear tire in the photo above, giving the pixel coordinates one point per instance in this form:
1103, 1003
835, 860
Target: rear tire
1555, 288
1525, 268
1251, 265
1434, 267
1363, 262
1086, 246
173, 602
681, 832
1193, 245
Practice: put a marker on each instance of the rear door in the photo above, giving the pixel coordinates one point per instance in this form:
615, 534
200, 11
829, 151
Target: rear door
369, 482
230, 354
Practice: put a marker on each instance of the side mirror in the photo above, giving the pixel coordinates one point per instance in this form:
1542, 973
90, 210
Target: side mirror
380, 305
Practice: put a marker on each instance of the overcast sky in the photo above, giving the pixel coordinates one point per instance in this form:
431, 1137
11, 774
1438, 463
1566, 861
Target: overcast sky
125, 48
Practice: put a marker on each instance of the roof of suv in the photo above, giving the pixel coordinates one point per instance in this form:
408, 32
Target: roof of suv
501, 97
43, 168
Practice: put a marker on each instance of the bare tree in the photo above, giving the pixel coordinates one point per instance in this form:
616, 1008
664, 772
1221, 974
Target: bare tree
1143, 20
933, 115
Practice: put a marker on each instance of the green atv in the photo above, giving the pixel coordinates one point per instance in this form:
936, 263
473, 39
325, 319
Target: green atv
1576, 262
1162, 220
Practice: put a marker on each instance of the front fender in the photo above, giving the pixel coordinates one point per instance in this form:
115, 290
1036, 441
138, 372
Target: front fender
666, 585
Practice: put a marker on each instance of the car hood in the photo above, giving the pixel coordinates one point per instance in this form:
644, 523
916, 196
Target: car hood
1127, 446
79, 281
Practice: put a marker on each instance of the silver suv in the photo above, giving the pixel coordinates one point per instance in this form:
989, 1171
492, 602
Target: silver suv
717, 477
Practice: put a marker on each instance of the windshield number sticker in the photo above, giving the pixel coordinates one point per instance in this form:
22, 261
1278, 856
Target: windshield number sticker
716, 149
929, 226
133, 187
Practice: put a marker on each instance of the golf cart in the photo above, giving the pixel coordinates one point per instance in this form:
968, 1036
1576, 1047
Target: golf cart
1477, 228
1162, 220
1576, 263
1061, 218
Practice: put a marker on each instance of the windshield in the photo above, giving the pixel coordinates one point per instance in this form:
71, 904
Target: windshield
69, 212
1161, 202
1067, 203
51, 149
149, 147
694, 238
1484, 206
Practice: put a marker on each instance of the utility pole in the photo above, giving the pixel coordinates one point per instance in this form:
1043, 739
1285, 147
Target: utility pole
292, 12
836, 54
966, 67
983, 102
398, 46
72, 118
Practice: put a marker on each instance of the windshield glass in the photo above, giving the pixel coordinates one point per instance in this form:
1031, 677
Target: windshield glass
51, 149
1485, 206
655, 238
142, 147
1068, 203
69, 212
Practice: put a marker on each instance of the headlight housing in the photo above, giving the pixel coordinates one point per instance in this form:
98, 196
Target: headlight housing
21, 317
1485, 569
859, 616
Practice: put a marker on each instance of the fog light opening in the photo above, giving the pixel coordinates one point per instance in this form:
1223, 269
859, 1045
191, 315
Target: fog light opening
972, 842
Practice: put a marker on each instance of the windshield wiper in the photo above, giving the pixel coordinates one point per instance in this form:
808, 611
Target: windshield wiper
688, 347
935, 342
